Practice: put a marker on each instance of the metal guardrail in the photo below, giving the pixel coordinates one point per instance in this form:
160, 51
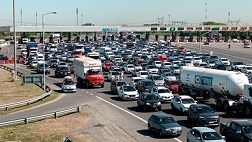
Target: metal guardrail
43, 116
25, 102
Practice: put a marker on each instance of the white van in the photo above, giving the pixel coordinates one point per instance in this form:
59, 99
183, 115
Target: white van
33, 50
40, 57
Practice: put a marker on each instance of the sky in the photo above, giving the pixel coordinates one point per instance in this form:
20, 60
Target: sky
127, 12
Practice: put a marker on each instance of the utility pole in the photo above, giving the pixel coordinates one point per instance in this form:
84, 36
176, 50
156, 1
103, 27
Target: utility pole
161, 21
15, 41
228, 18
21, 17
77, 13
81, 19
169, 19
206, 11
36, 19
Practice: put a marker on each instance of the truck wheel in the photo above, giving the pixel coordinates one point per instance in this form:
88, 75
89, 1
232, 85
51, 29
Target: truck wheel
219, 104
226, 106
87, 84
102, 85
197, 123
247, 110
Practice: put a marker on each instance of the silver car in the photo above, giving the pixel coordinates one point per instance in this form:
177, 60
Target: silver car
68, 85
204, 134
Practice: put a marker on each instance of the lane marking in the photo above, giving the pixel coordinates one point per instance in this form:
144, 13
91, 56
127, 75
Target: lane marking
91, 94
176, 139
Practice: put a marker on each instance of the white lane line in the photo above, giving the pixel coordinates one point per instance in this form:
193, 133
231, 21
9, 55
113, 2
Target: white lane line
91, 94
130, 113
87, 92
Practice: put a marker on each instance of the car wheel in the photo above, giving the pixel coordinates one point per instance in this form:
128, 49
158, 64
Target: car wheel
181, 111
188, 118
226, 106
102, 85
144, 108
219, 105
172, 106
247, 111
197, 123
160, 133
149, 127
187, 140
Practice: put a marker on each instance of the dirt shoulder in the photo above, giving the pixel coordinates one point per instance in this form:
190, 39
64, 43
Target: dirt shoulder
13, 91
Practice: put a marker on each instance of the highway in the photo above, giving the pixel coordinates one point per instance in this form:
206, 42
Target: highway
125, 113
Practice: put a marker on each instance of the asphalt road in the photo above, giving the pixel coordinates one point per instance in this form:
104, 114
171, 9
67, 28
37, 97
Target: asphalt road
133, 121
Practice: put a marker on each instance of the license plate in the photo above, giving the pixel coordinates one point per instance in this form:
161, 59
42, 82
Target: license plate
154, 106
65, 73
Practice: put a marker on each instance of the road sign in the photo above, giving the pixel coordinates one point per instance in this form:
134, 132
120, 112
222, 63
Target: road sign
172, 29
32, 78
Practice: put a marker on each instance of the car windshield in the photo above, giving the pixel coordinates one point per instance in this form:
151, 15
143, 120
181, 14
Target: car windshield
136, 80
238, 63
164, 91
152, 67
120, 83
151, 97
63, 68
247, 129
69, 83
116, 73
174, 83
166, 120
205, 110
157, 62
224, 59
42, 65
211, 136
144, 73
248, 68
187, 101
94, 72
129, 88
157, 78
130, 66
150, 83
175, 67
53, 61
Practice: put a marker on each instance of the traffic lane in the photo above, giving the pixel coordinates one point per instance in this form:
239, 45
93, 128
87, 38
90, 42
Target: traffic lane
236, 53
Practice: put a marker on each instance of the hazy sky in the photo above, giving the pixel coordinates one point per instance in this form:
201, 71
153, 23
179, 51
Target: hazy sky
131, 12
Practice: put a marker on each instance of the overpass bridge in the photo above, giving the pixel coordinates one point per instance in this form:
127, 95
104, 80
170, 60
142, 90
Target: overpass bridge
124, 28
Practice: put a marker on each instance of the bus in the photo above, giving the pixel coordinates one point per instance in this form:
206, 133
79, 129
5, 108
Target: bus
94, 55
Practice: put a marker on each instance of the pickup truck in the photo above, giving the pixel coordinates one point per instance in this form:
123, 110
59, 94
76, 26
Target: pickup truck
237, 130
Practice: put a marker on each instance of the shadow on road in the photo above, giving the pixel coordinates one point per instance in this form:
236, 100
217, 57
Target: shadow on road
135, 108
116, 99
185, 123
152, 134
173, 112
107, 92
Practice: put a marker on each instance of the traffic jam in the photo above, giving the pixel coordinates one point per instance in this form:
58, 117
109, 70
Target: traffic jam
154, 73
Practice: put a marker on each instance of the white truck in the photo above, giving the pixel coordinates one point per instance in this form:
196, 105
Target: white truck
88, 72
231, 90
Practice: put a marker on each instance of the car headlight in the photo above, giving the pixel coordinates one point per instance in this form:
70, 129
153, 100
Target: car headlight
201, 117
147, 103
168, 129
159, 103
147, 89
125, 95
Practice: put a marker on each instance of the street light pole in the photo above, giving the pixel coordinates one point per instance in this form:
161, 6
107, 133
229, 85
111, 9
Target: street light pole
43, 38
200, 39
15, 41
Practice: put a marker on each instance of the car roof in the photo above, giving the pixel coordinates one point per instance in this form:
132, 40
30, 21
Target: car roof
161, 87
162, 115
243, 122
184, 96
203, 129
136, 78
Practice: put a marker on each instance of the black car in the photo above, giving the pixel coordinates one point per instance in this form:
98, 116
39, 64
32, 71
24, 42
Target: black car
62, 71
42, 67
145, 85
203, 115
53, 63
143, 65
115, 85
237, 130
149, 101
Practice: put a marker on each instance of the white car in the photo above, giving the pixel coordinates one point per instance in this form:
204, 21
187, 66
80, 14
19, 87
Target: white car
237, 65
114, 75
152, 69
204, 134
181, 103
68, 84
167, 64
157, 64
134, 80
164, 93
197, 60
34, 64
142, 74
64, 57
129, 68
128, 92
224, 61
19, 46
246, 45
246, 69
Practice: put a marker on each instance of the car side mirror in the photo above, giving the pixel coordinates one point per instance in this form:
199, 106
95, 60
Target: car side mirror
238, 132
198, 138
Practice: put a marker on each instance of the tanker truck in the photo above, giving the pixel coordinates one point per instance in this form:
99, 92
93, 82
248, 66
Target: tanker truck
231, 90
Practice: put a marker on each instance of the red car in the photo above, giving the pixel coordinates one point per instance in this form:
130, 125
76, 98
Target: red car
107, 66
173, 85
77, 54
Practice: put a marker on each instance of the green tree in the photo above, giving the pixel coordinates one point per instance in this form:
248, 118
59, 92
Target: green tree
213, 23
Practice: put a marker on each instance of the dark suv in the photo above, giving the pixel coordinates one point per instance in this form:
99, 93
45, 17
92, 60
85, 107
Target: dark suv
62, 71
149, 101
203, 115
42, 67
145, 85
115, 85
